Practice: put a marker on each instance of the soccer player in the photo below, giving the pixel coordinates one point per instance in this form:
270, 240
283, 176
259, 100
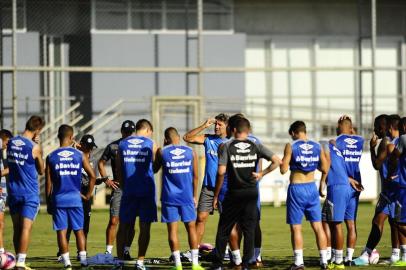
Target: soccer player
351, 146
179, 193
304, 156
211, 143
24, 157
386, 129
64, 200
339, 187
239, 158
110, 153
5, 136
397, 164
136, 155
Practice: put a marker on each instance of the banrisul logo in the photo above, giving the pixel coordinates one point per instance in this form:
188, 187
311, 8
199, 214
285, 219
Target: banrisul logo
177, 153
242, 147
135, 143
351, 142
65, 154
18, 143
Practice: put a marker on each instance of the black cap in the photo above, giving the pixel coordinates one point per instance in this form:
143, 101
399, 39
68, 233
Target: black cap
128, 127
88, 140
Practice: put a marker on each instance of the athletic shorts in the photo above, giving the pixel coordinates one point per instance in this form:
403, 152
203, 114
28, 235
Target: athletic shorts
174, 213
143, 207
351, 213
115, 202
386, 204
206, 200
336, 204
400, 211
68, 217
302, 200
26, 206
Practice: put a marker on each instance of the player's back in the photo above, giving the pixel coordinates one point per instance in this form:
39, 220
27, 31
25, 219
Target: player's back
305, 156
66, 175
136, 154
177, 175
23, 176
337, 175
211, 145
351, 147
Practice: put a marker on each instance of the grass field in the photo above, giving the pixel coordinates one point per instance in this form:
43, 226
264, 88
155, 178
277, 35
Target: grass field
276, 239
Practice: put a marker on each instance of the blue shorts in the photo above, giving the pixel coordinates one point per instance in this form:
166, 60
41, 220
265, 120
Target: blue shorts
302, 200
400, 211
26, 206
337, 203
69, 217
142, 207
174, 213
386, 204
352, 208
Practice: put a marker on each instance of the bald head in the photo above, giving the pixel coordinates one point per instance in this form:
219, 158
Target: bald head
171, 136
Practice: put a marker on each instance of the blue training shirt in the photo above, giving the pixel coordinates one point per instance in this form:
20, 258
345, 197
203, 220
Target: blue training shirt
211, 145
337, 174
177, 175
351, 148
136, 161
401, 145
65, 165
305, 155
23, 176
388, 186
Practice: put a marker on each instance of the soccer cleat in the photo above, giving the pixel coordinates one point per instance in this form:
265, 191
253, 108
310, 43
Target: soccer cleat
340, 266
22, 266
323, 266
177, 267
197, 267
399, 263
361, 261
68, 267
127, 256
296, 267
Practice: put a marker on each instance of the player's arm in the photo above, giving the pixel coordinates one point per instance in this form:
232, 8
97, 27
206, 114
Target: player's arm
194, 136
5, 170
158, 161
101, 165
48, 181
265, 153
287, 155
324, 158
378, 158
91, 174
195, 177
355, 184
39, 162
119, 170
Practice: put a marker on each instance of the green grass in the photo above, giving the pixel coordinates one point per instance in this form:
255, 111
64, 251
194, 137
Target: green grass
276, 239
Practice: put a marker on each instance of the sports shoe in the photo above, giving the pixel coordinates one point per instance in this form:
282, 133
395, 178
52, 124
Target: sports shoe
127, 256
323, 266
68, 267
334, 266
197, 267
186, 256
399, 263
361, 261
296, 267
22, 266
177, 267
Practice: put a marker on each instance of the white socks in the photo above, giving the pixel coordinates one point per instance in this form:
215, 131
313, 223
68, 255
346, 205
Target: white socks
350, 253
21, 258
83, 257
338, 256
176, 258
195, 256
236, 256
298, 254
395, 255
66, 259
109, 249
323, 256
328, 253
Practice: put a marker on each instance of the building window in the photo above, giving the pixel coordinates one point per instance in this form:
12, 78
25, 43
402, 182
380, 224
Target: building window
6, 15
161, 14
